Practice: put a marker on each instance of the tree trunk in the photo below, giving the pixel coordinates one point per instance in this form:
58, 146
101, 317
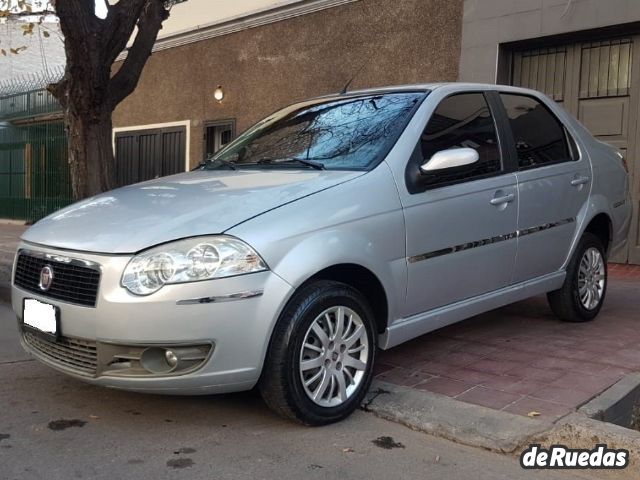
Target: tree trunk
89, 92
90, 153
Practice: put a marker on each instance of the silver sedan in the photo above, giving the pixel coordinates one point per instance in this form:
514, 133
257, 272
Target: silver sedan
332, 228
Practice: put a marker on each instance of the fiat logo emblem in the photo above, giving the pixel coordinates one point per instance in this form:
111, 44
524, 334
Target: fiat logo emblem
46, 278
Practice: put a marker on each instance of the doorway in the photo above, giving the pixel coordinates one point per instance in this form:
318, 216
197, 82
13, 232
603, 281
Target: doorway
217, 135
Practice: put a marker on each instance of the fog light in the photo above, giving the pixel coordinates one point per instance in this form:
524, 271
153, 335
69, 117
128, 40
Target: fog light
172, 359
156, 360
153, 359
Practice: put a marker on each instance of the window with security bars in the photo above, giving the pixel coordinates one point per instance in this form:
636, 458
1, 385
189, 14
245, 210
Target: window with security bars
542, 69
606, 68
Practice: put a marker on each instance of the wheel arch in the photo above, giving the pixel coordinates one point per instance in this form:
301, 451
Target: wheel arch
601, 226
363, 280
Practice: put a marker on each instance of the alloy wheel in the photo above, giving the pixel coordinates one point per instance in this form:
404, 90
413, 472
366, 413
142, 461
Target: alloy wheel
334, 355
591, 278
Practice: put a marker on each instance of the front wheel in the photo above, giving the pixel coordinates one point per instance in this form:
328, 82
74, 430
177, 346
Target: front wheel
585, 286
320, 361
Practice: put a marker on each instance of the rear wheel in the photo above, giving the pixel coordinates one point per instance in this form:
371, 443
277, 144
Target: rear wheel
582, 294
320, 360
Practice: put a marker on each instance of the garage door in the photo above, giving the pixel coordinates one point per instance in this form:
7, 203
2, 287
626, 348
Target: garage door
146, 154
597, 83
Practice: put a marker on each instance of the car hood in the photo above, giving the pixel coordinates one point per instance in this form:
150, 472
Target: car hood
139, 216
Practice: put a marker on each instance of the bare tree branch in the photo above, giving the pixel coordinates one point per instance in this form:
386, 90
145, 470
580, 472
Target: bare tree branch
126, 79
77, 21
119, 25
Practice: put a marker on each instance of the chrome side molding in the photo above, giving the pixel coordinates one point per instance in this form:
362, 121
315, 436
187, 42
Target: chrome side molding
489, 241
221, 298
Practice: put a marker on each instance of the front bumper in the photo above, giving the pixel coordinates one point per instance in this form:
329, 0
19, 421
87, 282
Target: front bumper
238, 329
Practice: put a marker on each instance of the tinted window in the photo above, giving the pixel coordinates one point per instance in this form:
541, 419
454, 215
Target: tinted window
463, 120
539, 136
345, 133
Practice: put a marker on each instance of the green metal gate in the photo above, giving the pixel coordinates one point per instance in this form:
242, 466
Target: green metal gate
34, 174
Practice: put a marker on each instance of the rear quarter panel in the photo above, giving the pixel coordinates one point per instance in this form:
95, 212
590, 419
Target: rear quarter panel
610, 192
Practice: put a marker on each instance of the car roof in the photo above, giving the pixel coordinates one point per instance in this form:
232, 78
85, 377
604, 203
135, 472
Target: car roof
427, 87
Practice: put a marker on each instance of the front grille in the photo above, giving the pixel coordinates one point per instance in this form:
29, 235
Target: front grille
72, 282
79, 355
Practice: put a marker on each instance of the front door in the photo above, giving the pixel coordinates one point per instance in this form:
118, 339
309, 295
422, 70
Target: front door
460, 227
553, 185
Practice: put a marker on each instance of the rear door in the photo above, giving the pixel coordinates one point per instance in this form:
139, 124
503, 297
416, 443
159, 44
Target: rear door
553, 185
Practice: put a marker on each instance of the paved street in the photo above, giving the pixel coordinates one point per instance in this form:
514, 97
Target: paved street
102, 434
9, 237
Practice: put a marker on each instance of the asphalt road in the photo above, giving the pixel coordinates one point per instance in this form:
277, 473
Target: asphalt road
53, 427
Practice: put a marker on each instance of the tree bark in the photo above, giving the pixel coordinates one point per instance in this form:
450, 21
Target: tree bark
90, 154
88, 93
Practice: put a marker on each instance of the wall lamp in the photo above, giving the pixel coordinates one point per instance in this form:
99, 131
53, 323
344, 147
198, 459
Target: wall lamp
218, 94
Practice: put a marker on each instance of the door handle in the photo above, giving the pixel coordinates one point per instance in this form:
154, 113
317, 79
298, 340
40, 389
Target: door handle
576, 182
502, 200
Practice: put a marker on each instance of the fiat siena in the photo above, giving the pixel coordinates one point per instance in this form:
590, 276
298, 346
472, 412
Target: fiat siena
330, 229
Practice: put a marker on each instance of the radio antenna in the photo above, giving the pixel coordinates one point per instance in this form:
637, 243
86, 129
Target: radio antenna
348, 84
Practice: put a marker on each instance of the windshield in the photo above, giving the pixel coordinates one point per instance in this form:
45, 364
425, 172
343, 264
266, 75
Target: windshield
343, 134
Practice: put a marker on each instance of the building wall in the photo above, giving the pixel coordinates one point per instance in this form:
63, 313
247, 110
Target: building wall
264, 68
572, 50
198, 13
488, 23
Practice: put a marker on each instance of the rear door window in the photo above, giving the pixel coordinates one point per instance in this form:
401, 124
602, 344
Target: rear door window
540, 138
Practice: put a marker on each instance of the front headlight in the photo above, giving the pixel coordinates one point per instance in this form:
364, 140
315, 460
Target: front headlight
190, 260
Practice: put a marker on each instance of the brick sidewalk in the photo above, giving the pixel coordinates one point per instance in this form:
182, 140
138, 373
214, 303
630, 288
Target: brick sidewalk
521, 359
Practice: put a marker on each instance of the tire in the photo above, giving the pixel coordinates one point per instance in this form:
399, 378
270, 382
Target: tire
282, 385
567, 302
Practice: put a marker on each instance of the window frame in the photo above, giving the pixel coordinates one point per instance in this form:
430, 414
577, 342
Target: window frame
573, 148
412, 171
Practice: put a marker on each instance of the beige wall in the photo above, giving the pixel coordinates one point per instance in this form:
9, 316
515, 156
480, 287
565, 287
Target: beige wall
194, 14
267, 67
488, 23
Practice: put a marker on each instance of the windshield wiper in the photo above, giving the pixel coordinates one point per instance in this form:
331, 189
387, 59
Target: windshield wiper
220, 161
308, 163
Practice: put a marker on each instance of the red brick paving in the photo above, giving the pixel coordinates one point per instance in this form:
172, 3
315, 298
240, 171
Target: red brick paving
521, 359
445, 386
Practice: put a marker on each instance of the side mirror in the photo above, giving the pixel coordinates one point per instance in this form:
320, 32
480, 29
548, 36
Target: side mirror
447, 159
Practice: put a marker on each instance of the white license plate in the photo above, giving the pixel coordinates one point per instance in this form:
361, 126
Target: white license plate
40, 316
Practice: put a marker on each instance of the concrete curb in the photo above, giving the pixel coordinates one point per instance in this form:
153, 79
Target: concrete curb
616, 404
454, 420
579, 431
504, 432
